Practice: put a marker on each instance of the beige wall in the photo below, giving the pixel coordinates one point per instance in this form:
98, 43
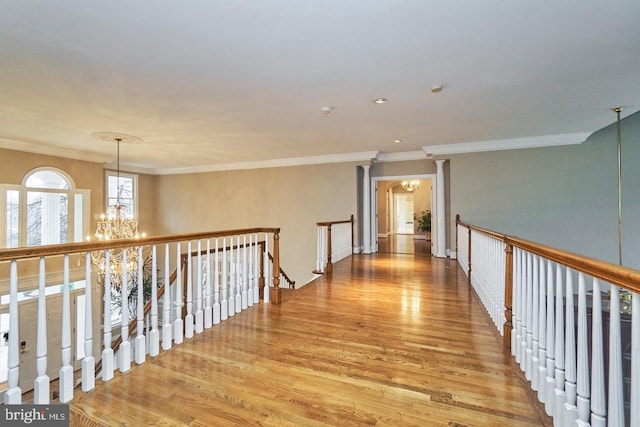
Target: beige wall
292, 198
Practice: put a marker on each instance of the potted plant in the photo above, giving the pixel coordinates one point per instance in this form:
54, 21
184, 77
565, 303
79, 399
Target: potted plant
424, 223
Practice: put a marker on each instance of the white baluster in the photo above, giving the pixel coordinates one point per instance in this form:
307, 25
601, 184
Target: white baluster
238, 264
535, 313
245, 279
570, 408
256, 271
107, 353
515, 332
208, 305
199, 317
140, 342
13, 395
635, 361
232, 282
551, 341
88, 362
582, 374
267, 265
182, 328
560, 395
523, 312
65, 379
529, 322
250, 274
124, 353
217, 307
616, 394
189, 319
542, 331
154, 335
224, 303
41, 384
166, 303
598, 398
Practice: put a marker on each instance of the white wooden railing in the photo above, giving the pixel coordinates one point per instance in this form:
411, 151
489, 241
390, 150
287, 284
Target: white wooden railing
334, 242
224, 274
568, 322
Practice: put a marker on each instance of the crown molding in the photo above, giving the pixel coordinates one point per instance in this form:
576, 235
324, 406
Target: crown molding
275, 163
52, 150
507, 144
401, 156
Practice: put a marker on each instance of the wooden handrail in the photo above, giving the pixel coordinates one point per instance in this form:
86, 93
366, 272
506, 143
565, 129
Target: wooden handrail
329, 267
83, 247
621, 276
292, 283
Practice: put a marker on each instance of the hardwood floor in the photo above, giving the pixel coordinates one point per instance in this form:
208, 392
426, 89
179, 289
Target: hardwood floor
389, 340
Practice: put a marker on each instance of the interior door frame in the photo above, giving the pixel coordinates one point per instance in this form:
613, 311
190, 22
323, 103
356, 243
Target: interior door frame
373, 232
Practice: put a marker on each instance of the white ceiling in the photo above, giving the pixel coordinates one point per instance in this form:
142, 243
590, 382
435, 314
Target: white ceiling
220, 84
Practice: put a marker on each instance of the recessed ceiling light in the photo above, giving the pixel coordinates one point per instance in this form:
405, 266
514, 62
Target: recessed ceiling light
397, 141
380, 100
437, 88
327, 109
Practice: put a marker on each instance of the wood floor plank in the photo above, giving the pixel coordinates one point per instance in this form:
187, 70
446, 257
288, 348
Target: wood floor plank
387, 340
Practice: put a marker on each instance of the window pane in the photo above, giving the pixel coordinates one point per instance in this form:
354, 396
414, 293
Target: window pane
13, 219
47, 179
78, 220
121, 191
47, 218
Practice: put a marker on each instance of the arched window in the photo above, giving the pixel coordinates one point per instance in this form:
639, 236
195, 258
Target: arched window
46, 209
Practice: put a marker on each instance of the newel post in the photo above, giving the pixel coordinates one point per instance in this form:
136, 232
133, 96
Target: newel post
329, 267
275, 293
508, 297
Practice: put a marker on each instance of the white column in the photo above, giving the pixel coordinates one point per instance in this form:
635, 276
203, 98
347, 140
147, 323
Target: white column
441, 242
366, 211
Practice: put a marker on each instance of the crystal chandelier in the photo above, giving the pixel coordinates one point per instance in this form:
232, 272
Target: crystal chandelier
117, 224
411, 185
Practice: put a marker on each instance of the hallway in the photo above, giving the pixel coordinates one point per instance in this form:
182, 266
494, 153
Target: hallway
391, 340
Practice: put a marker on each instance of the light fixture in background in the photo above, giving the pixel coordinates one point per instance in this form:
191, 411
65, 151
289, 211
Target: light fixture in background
624, 296
437, 88
380, 100
117, 224
411, 185
327, 109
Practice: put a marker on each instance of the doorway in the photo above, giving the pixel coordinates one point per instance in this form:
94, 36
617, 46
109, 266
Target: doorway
396, 206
